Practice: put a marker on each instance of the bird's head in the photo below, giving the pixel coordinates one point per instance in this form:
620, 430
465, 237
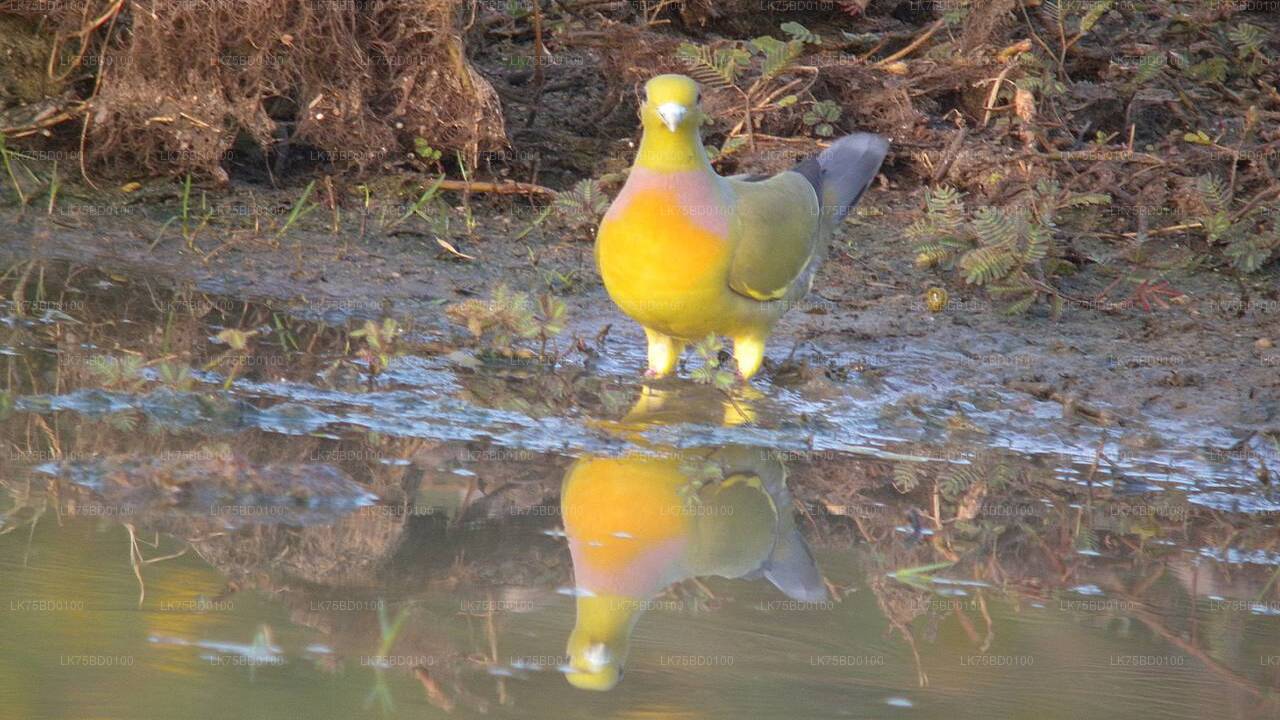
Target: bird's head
595, 663
671, 104
600, 640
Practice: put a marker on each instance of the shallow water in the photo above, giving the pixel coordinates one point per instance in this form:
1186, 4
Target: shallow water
191, 528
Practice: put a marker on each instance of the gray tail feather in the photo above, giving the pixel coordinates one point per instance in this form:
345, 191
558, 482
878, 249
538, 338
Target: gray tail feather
844, 171
792, 570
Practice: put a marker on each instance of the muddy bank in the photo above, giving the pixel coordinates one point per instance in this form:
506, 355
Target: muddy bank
1195, 377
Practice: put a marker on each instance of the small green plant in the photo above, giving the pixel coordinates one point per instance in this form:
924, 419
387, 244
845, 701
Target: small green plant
710, 373
188, 223
822, 118
468, 218
920, 576
1150, 66
537, 221
1010, 251
549, 320
54, 186
1247, 241
583, 205
300, 209
1059, 18
509, 317
499, 320
722, 68
1250, 41
416, 208
423, 149
10, 159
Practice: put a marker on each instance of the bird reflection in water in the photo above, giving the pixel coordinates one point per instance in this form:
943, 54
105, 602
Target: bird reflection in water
638, 523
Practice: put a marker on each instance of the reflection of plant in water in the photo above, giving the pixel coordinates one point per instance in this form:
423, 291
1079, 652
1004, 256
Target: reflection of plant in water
920, 576
176, 376
118, 373
536, 393
389, 630
379, 344
700, 471
237, 342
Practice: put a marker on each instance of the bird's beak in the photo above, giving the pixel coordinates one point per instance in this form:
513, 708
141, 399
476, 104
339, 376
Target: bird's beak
595, 670
672, 113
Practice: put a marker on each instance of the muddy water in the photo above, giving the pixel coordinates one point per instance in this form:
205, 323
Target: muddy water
211, 508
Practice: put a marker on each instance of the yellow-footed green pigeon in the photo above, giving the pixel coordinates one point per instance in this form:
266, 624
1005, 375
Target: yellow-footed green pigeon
639, 523
687, 253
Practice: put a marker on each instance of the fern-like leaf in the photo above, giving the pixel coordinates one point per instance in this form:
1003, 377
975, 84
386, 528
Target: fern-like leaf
778, 55
717, 68
1039, 237
1248, 39
1213, 192
1085, 199
1148, 68
995, 227
584, 204
1094, 14
984, 264
1017, 307
906, 477
1052, 12
1217, 226
946, 206
960, 479
1250, 252
1013, 286
801, 33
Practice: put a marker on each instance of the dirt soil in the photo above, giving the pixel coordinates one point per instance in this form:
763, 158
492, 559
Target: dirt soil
1207, 360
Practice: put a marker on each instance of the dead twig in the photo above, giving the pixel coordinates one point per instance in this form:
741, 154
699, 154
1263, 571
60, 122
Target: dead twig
913, 45
498, 188
949, 156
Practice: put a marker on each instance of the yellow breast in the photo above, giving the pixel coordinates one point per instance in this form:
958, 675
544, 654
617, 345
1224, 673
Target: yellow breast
617, 510
662, 268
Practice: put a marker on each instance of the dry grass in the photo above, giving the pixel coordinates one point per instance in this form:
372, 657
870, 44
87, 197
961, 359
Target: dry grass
172, 87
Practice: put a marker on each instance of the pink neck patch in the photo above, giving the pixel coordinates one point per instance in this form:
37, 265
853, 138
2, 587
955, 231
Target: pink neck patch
701, 196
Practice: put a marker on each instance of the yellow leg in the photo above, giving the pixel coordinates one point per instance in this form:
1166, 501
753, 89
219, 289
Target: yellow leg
664, 353
651, 400
737, 412
749, 352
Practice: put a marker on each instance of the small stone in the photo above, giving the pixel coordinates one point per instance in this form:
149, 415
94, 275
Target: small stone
1264, 344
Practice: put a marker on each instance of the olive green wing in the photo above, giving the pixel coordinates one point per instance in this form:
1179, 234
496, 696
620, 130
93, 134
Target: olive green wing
775, 228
